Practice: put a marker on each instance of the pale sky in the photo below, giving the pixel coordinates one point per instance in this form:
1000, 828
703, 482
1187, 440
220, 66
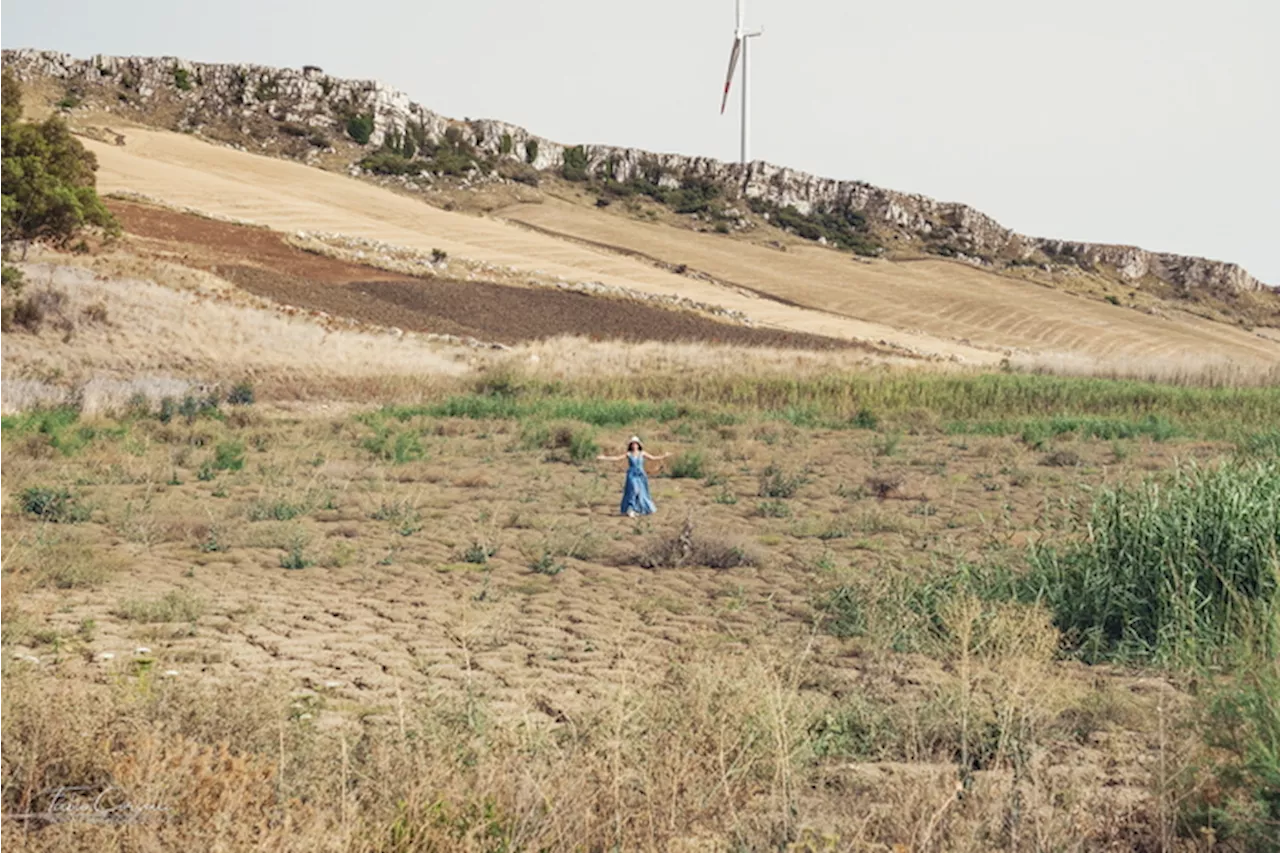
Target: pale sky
1147, 122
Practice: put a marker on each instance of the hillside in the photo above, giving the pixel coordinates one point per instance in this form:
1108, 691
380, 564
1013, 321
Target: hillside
690, 234
312, 537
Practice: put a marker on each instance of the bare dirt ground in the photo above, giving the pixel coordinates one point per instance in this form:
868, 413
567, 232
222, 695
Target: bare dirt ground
259, 261
389, 603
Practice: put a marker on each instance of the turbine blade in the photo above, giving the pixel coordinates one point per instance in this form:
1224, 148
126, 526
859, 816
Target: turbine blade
728, 78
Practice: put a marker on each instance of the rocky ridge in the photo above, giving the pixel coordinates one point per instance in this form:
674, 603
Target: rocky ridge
313, 107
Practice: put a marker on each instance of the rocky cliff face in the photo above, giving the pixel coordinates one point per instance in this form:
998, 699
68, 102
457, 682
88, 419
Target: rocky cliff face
306, 104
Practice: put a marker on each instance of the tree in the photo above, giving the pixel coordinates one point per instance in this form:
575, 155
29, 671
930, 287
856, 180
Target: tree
11, 96
48, 179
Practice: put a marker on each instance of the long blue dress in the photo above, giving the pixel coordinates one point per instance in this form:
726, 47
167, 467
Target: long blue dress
635, 494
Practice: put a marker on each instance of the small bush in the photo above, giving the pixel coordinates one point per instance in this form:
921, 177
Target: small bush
182, 79
360, 128
241, 394
530, 151
546, 565
392, 163
865, 419
568, 442
1242, 722
58, 506
275, 510
174, 606
521, 173
883, 486
859, 730
773, 509
479, 552
691, 548
689, 465
575, 164
229, 456
1062, 459
439, 256
396, 446
505, 144
888, 445
295, 558
777, 483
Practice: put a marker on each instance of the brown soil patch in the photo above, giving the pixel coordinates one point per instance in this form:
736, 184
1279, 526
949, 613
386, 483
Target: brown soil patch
259, 261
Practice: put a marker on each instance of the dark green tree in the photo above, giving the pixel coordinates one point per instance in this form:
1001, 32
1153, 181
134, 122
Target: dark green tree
11, 106
48, 179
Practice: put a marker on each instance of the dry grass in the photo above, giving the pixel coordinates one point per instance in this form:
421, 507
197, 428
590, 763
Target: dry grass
200, 333
410, 697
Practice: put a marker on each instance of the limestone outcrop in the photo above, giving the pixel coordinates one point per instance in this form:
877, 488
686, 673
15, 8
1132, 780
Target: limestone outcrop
257, 101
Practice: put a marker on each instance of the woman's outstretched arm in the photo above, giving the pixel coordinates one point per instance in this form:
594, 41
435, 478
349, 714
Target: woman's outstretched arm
648, 455
603, 458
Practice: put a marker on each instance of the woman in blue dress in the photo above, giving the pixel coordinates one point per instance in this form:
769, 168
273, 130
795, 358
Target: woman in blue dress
635, 493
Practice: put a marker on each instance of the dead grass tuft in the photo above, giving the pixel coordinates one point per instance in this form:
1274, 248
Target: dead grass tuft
693, 547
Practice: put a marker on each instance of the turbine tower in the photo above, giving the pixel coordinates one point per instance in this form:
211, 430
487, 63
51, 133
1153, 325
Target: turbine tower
740, 36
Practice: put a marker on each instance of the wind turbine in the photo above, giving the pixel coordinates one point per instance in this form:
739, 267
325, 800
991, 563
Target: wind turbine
740, 37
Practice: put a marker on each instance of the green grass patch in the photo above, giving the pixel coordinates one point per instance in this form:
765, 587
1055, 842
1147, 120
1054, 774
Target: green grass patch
691, 465
60, 428
58, 506
174, 606
596, 412
1037, 432
1177, 572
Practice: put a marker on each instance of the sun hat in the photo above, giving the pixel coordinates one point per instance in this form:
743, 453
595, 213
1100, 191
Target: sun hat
636, 440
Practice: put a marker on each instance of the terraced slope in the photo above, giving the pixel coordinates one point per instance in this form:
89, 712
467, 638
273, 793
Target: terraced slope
943, 298
934, 307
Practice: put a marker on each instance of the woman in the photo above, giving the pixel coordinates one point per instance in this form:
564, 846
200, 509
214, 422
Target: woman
635, 493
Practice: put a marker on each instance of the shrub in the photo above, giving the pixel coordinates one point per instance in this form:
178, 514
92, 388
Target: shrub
182, 79
521, 173
360, 127
58, 506
279, 510
241, 394
505, 145
843, 227
530, 151
773, 509
229, 456
1243, 723
439, 256
777, 483
569, 442
479, 552
174, 606
1062, 459
193, 407
691, 465
546, 565
844, 614
295, 559
391, 163
1174, 572
691, 548
396, 446
575, 164
865, 419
